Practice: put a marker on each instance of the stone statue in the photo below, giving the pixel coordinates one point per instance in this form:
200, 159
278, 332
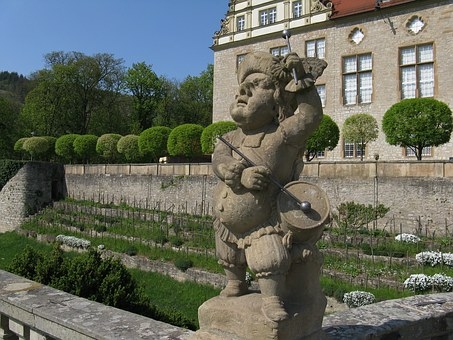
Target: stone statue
257, 223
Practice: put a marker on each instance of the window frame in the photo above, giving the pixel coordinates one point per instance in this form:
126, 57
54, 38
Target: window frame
270, 16
299, 12
356, 152
357, 80
282, 50
418, 66
240, 23
317, 49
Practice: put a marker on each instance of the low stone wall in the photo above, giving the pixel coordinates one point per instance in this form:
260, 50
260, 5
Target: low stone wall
29, 310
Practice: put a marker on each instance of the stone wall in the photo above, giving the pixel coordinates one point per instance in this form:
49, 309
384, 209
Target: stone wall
419, 194
34, 186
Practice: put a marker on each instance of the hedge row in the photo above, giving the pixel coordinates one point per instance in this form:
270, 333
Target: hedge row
187, 141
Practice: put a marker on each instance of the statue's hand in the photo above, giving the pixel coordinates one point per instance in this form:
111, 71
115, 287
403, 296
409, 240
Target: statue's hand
232, 174
255, 177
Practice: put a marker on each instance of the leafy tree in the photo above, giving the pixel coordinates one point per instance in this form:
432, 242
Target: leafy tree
72, 90
64, 147
85, 147
326, 136
50, 154
184, 140
152, 142
19, 146
360, 129
211, 132
128, 147
195, 97
107, 147
417, 123
9, 113
37, 147
147, 90
354, 215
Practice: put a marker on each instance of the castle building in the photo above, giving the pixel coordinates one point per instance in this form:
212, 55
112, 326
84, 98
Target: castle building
378, 53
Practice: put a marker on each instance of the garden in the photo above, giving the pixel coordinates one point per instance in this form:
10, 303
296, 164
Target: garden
366, 256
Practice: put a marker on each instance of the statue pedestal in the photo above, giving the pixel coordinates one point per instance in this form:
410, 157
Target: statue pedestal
240, 318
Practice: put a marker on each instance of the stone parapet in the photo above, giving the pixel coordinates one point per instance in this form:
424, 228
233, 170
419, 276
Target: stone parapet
29, 310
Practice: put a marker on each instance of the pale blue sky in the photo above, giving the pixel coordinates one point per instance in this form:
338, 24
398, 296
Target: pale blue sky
173, 36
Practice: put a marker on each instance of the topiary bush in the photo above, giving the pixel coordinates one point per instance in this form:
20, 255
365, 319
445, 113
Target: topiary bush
152, 142
64, 147
184, 140
183, 263
19, 146
107, 147
128, 147
85, 147
211, 132
37, 147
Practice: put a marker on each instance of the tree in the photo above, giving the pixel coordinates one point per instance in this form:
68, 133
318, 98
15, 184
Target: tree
64, 147
360, 129
71, 91
9, 113
196, 95
211, 132
128, 147
152, 142
37, 147
417, 123
326, 136
184, 140
85, 147
147, 89
107, 147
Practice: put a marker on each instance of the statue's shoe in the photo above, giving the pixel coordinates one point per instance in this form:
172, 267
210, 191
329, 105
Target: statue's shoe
273, 309
234, 288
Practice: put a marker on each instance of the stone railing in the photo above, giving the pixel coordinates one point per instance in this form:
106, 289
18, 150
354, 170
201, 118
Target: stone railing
325, 169
29, 310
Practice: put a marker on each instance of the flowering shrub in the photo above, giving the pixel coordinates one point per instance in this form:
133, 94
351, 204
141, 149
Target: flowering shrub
418, 283
442, 283
73, 242
408, 238
434, 257
358, 298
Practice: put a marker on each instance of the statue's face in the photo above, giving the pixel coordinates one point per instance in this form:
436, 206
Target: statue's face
254, 105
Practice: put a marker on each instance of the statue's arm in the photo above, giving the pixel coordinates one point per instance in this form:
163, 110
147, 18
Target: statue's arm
299, 126
225, 166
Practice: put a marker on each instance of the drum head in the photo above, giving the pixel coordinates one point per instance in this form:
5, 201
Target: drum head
293, 217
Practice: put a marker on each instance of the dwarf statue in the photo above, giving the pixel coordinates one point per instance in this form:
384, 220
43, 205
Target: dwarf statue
276, 108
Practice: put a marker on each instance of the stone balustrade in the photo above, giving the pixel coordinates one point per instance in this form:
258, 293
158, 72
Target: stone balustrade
31, 311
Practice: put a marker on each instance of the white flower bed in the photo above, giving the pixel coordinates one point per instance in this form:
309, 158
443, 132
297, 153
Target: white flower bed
418, 282
408, 238
433, 258
358, 298
73, 242
442, 283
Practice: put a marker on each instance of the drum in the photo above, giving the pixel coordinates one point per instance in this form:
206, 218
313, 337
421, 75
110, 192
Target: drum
305, 223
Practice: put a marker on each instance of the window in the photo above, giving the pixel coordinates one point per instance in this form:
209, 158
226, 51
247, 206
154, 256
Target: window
268, 16
322, 93
352, 150
426, 151
297, 9
417, 71
279, 51
357, 79
240, 23
316, 48
239, 59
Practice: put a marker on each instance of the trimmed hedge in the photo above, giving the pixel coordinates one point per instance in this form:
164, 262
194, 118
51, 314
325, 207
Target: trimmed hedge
64, 147
152, 142
107, 147
184, 140
85, 147
211, 132
128, 147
